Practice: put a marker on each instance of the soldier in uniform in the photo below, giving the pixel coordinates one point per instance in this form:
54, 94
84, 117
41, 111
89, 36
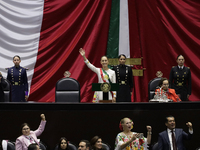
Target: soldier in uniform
180, 79
124, 77
18, 79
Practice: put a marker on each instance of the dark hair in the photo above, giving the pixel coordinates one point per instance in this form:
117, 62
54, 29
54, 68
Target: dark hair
63, 138
179, 56
93, 142
121, 55
161, 81
16, 56
104, 56
33, 146
24, 124
87, 143
166, 118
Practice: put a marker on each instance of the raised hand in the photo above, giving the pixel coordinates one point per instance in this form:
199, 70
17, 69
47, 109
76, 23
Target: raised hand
149, 128
189, 124
42, 117
82, 52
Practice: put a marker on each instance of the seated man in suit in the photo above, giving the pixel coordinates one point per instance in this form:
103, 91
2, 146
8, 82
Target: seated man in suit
33, 146
84, 145
170, 93
172, 138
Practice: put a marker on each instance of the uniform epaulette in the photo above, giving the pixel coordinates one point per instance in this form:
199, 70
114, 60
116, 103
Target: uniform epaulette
25, 68
8, 68
173, 66
188, 67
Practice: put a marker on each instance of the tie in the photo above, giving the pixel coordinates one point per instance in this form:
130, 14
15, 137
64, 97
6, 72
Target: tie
173, 141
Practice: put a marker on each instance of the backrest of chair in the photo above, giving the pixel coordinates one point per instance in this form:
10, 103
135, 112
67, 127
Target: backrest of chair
72, 146
10, 146
155, 146
67, 90
153, 84
7, 91
105, 146
42, 146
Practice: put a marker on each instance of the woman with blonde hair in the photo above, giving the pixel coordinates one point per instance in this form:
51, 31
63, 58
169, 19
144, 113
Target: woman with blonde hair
128, 140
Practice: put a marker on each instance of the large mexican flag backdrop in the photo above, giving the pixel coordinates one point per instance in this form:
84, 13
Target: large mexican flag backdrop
48, 34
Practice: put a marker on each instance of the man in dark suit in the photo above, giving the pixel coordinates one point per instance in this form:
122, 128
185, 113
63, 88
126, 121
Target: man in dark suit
172, 138
2, 86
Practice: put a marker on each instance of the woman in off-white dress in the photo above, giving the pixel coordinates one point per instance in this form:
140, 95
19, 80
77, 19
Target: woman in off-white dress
104, 75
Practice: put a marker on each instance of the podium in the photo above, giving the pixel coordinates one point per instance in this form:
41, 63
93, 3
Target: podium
105, 88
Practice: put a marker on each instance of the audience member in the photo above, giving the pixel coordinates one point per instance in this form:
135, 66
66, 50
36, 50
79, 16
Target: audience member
104, 75
131, 140
18, 79
96, 143
180, 79
170, 93
33, 146
172, 138
28, 137
124, 77
63, 144
84, 145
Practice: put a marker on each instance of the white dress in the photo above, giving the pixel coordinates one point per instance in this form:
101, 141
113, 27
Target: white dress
98, 95
138, 144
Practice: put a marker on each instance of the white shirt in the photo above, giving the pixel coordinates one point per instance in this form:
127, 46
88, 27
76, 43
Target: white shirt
180, 67
170, 136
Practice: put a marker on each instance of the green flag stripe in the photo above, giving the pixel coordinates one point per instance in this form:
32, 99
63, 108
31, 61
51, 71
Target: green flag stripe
113, 35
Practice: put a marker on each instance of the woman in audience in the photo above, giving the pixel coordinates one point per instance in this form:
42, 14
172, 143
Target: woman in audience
131, 140
104, 75
28, 137
96, 143
63, 144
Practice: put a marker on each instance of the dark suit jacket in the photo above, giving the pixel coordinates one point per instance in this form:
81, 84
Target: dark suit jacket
2, 86
163, 139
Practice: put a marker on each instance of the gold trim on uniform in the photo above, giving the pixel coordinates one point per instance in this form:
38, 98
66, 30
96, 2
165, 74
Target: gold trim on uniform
123, 82
180, 84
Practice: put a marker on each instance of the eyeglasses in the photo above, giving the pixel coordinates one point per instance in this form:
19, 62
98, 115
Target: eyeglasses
25, 128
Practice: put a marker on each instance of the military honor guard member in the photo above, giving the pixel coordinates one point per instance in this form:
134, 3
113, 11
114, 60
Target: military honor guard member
124, 77
180, 79
18, 79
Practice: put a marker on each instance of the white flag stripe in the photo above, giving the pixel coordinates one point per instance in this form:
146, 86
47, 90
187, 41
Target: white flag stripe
124, 47
20, 33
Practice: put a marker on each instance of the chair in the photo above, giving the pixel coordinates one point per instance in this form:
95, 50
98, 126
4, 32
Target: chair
71, 147
152, 86
10, 145
67, 90
105, 146
42, 146
155, 146
7, 91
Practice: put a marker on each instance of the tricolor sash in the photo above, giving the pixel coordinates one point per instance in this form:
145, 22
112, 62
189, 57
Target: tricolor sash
105, 77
